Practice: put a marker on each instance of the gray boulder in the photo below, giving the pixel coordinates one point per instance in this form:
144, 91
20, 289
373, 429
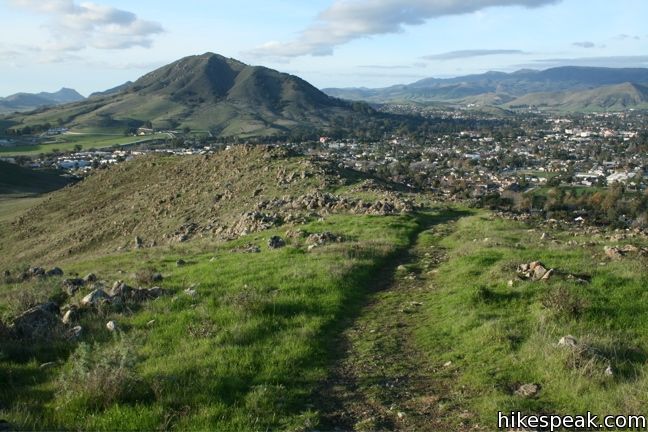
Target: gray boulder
276, 242
95, 298
40, 322
55, 272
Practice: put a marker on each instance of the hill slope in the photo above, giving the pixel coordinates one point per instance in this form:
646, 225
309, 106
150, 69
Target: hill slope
29, 101
613, 97
205, 92
17, 180
175, 199
500, 88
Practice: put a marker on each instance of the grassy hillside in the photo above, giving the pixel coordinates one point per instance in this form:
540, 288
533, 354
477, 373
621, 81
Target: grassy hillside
498, 337
166, 199
68, 142
373, 315
29, 101
223, 348
608, 98
244, 353
206, 92
565, 88
18, 180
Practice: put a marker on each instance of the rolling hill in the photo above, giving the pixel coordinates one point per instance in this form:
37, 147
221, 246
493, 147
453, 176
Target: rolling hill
18, 180
29, 101
613, 97
204, 92
498, 88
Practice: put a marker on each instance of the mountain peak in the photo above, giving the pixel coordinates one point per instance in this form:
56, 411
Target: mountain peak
211, 92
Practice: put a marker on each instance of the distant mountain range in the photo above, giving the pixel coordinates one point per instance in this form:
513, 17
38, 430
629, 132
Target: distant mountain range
204, 92
563, 88
31, 101
228, 98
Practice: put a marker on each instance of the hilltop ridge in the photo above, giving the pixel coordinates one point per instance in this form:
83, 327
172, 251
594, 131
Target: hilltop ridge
205, 92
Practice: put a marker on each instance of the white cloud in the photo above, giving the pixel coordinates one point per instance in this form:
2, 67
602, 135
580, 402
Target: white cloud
638, 61
585, 44
347, 20
89, 25
462, 54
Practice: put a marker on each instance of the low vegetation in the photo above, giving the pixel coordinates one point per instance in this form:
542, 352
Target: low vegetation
497, 333
321, 298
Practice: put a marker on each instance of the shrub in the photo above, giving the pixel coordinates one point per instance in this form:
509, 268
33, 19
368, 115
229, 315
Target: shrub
564, 303
102, 376
145, 277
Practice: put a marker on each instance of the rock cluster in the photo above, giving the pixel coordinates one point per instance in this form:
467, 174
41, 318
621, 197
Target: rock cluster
32, 273
320, 239
614, 252
47, 321
534, 271
319, 201
248, 248
276, 242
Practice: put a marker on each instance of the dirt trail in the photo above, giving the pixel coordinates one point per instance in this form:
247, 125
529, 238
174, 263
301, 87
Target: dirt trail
382, 380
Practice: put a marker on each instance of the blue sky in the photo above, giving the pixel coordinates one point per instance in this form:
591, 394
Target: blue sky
90, 46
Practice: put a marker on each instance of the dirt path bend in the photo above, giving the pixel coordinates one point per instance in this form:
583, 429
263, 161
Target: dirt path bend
382, 380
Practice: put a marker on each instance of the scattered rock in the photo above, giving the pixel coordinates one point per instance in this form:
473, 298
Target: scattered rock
568, 341
535, 271
157, 277
75, 332
70, 316
248, 248
613, 252
155, 292
609, 371
95, 298
40, 322
276, 242
111, 326
47, 365
320, 239
191, 292
54, 272
90, 278
73, 285
181, 263
120, 289
528, 390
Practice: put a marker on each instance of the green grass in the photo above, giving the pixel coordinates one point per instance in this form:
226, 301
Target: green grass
245, 354
498, 337
15, 179
68, 142
12, 206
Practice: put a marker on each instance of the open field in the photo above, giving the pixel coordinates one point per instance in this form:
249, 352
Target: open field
68, 142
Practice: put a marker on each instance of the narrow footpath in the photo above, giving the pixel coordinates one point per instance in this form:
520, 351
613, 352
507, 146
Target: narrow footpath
383, 380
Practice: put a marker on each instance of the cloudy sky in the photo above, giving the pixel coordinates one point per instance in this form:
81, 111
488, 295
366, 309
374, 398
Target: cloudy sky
90, 46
